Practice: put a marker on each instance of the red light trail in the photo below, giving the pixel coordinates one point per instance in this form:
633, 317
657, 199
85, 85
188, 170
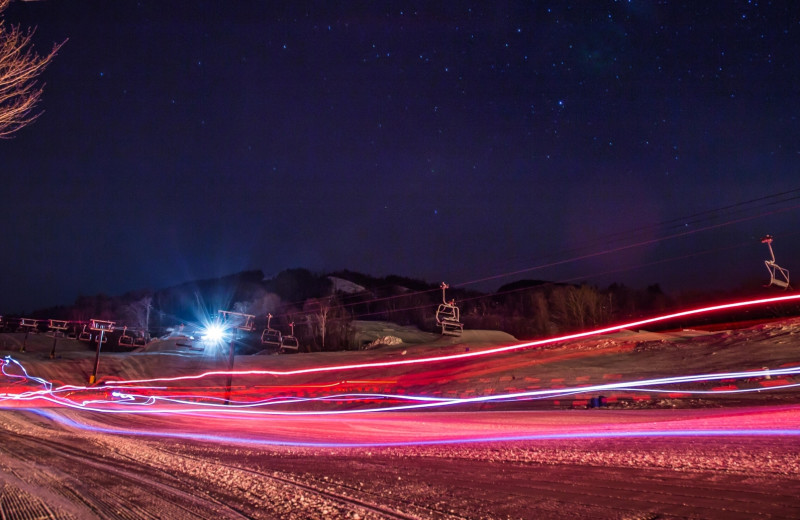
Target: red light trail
399, 429
487, 352
148, 397
138, 400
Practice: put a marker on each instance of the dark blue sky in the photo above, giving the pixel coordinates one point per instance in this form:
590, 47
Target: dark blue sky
462, 143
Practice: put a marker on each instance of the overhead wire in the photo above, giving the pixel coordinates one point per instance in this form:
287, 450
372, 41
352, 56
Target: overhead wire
682, 222
676, 228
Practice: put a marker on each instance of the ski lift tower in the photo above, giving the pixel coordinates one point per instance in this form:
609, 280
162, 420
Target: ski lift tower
102, 327
58, 327
236, 321
778, 276
28, 324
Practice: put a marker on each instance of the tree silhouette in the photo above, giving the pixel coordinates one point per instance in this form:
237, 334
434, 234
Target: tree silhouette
20, 66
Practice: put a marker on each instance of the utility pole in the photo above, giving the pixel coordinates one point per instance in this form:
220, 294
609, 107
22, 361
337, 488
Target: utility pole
236, 321
102, 327
57, 327
29, 325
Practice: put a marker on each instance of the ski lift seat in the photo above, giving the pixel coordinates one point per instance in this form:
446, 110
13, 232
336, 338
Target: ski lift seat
778, 276
125, 340
780, 283
85, 335
448, 316
446, 312
290, 343
452, 327
271, 337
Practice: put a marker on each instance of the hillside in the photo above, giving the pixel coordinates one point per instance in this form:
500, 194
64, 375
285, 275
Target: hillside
601, 360
325, 306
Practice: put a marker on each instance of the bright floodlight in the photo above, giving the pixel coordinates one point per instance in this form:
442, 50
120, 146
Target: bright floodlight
213, 333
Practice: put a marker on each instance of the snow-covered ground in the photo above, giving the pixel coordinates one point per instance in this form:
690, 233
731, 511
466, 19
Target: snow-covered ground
54, 469
684, 454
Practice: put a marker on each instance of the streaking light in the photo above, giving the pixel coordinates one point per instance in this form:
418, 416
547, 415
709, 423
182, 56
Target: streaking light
255, 402
166, 400
487, 352
458, 439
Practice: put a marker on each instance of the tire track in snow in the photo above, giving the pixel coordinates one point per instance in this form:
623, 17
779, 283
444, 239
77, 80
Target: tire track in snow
16, 504
105, 487
342, 498
122, 505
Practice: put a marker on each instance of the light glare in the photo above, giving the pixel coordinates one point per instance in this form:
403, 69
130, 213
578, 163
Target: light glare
213, 333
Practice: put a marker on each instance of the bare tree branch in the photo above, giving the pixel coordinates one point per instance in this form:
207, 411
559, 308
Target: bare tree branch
20, 67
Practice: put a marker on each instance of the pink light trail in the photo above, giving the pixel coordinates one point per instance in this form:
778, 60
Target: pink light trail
487, 352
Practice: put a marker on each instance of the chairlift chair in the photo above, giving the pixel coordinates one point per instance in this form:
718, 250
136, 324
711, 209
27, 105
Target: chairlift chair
271, 337
29, 325
85, 335
778, 276
238, 320
140, 340
448, 316
57, 328
103, 327
289, 343
125, 340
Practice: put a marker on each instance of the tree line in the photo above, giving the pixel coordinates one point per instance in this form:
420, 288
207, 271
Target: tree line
325, 306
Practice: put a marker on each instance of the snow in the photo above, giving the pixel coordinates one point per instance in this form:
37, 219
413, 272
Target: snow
385, 340
346, 286
182, 473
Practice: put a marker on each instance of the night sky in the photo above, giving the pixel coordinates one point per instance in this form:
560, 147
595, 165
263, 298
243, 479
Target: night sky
475, 143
